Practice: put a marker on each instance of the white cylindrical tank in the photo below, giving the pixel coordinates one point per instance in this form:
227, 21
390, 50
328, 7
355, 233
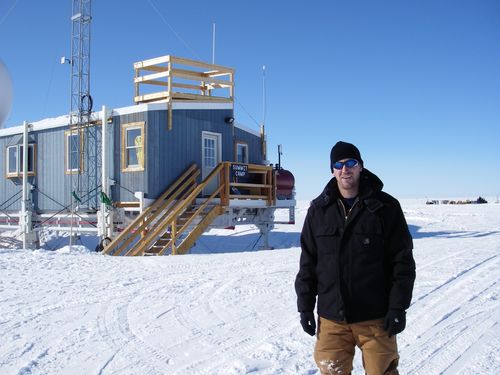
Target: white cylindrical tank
5, 93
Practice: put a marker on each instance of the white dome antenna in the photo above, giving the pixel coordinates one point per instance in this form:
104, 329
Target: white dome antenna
5, 93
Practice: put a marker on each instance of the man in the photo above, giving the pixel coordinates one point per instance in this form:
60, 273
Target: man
357, 260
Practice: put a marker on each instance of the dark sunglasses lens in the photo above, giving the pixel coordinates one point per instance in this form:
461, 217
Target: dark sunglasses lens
351, 163
338, 165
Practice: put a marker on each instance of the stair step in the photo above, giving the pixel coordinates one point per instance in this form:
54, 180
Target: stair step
161, 242
154, 250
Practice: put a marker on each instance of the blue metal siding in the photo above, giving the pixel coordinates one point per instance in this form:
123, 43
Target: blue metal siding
168, 154
254, 145
52, 187
52, 183
126, 183
10, 188
171, 152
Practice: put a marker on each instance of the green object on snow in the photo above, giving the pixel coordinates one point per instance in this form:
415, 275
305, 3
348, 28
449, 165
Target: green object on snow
105, 199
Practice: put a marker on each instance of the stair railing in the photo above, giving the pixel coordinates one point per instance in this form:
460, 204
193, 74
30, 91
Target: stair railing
159, 226
178, 232
138, 225
173, 215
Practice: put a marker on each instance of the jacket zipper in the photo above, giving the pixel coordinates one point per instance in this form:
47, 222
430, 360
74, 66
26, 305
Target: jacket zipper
346, 216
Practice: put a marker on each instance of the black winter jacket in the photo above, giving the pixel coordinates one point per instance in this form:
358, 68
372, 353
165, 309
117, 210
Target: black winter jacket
360, 265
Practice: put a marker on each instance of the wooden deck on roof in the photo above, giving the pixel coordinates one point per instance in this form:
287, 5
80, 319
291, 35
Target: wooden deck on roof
170, 79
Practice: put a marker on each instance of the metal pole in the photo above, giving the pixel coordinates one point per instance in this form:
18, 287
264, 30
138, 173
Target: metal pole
24, 201
104, 169
213, 44
263, 94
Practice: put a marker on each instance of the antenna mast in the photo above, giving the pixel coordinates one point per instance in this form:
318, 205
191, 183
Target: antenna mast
213, 43
83, 158
263, 94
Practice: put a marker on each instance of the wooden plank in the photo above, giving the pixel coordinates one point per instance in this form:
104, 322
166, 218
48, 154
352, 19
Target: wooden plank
204, 98
126, 204
243, 184
161, 224
199, 64
151, 77
151, 62
235, 196
216, 73
154, 68
191, 238
186, 86
153, 101
195, 76
200, 209
252, 167
157, 83
147, 215
153, 96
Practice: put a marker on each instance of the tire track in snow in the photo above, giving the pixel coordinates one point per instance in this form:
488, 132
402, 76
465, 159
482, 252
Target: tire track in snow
490, 335
454, 278
239, 335
114, 327
450, 309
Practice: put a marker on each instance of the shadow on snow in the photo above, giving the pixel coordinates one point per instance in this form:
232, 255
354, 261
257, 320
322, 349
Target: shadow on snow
417, 234
238, 242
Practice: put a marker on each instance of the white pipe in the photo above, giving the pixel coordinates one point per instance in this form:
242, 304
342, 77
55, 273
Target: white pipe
24, 220
104, 168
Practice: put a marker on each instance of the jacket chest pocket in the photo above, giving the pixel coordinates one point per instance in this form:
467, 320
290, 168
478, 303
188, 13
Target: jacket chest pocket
327, 247
368, 242
327, 241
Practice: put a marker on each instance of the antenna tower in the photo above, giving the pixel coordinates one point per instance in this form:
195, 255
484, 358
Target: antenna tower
84, 135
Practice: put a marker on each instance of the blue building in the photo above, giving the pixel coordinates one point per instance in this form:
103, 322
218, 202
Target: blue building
139, 152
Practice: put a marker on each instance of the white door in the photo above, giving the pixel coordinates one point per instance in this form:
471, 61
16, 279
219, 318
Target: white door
210, 156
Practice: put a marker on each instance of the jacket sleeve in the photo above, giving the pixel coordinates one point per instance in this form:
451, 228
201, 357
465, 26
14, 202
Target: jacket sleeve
400, 259
306, 281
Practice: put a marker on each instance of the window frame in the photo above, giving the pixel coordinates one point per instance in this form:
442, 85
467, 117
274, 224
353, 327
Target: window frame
244, 145
18, 169
124, 152
67, 144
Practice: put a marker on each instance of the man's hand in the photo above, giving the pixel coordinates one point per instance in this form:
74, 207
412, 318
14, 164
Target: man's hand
308, 322
395, 321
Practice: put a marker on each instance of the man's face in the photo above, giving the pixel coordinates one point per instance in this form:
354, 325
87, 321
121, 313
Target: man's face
348, 178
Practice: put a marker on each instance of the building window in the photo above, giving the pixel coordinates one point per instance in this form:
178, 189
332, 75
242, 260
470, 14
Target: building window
133, 147
73, 141
209, 147
15, 160
241, 152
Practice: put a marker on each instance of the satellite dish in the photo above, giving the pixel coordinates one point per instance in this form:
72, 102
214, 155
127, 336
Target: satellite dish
5, 93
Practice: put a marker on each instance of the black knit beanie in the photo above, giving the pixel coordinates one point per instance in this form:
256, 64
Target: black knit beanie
344, 150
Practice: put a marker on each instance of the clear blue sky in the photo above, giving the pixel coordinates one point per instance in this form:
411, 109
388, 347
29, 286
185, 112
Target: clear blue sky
415, 84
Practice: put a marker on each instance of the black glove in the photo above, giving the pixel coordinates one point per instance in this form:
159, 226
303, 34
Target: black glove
395, 321
308, 322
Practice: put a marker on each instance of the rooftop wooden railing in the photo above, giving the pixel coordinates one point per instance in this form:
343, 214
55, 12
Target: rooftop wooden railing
196, 81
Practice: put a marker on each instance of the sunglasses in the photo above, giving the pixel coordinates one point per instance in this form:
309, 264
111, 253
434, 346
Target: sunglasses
350, 163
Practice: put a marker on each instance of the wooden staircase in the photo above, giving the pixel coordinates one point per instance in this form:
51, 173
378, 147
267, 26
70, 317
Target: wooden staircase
173, 223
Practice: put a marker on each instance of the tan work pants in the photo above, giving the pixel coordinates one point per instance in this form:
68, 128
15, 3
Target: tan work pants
336, 342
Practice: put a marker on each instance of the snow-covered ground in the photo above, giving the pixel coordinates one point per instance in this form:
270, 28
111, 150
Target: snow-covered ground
229, 308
